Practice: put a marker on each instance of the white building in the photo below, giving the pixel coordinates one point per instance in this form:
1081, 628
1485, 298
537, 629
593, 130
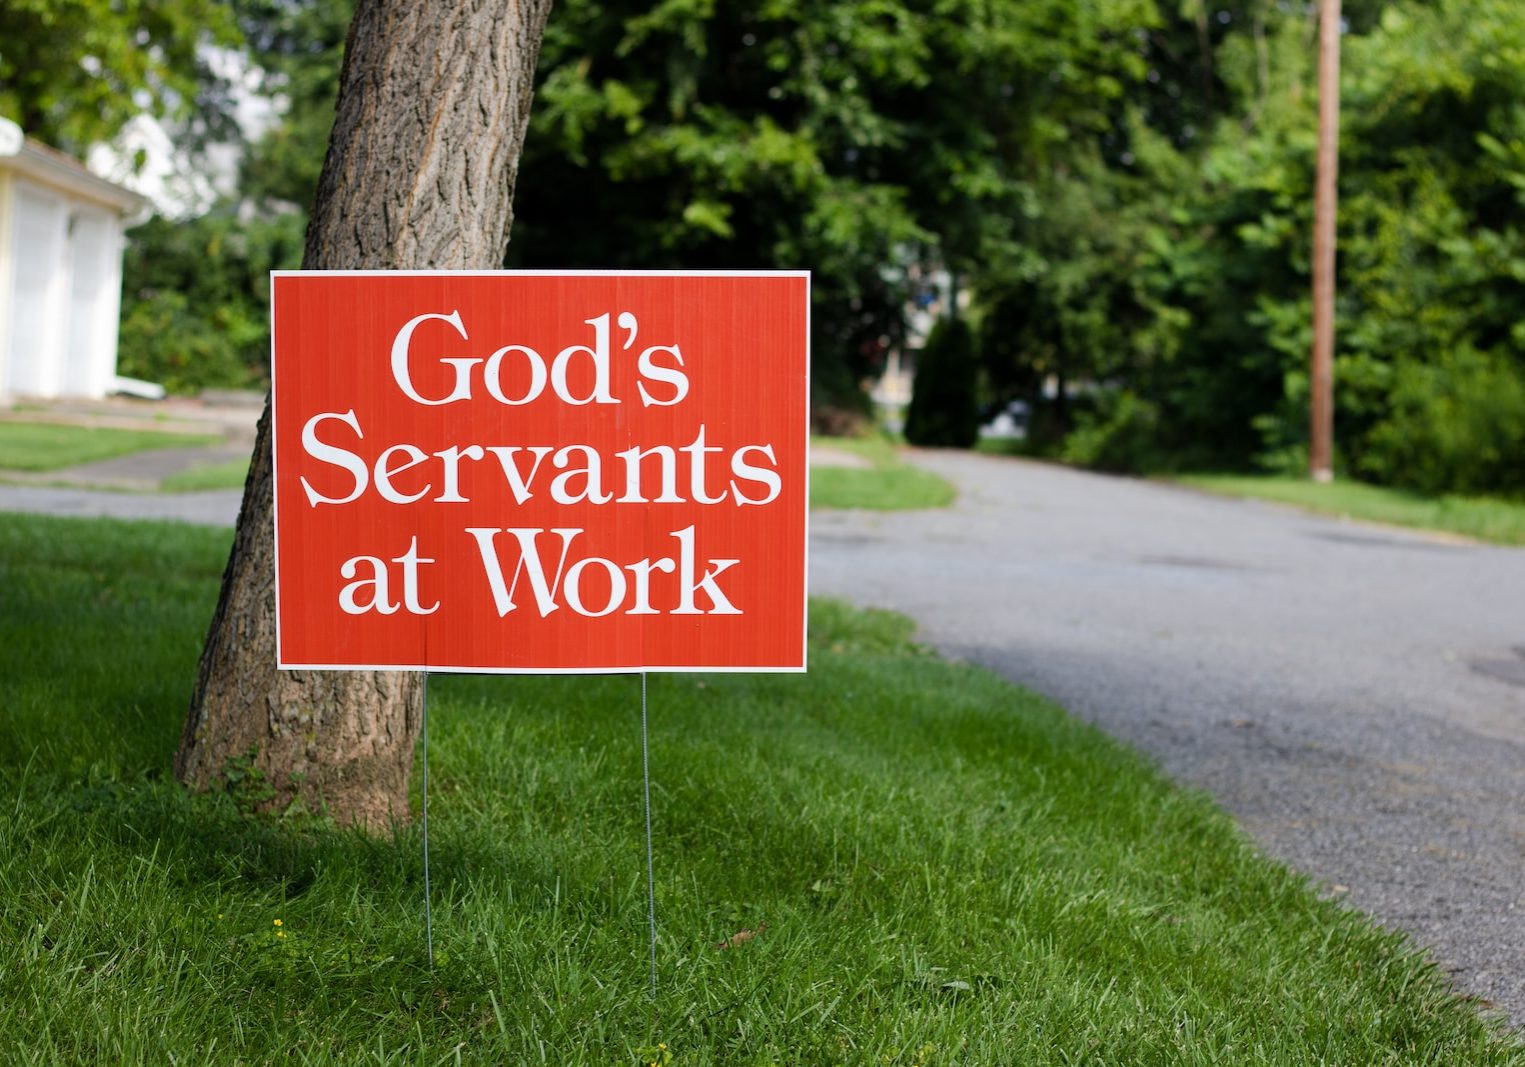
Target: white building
60, 271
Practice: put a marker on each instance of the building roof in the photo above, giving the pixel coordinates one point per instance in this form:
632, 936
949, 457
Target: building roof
32, 159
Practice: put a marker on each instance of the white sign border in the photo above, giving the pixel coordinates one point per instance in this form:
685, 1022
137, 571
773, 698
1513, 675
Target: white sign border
439, 668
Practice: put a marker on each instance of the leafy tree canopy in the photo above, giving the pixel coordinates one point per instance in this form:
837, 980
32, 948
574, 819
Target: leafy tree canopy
73, 72
1124, 186
299, 46
1167, 273
196, 294
856, 138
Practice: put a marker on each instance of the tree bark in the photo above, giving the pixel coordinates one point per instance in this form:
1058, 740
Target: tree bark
433, 104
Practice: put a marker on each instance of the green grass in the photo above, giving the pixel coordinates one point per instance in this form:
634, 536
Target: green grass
38, 446
229, 475
1486, 519
890, 484
950, 870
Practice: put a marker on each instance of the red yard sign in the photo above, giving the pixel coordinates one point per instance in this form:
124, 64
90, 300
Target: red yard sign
527, 472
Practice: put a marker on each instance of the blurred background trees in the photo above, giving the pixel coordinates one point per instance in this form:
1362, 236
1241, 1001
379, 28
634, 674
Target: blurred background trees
1121, 188
74, 72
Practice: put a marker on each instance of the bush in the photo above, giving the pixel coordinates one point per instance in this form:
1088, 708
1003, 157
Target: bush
165, 339
1122, 434
944, 408
831, 420
196, 297
1457, 425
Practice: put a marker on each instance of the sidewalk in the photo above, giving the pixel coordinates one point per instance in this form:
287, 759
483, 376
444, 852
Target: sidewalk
231, 414
127, 487
213, 507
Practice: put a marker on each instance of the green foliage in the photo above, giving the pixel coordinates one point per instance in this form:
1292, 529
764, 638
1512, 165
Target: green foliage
1436, 261
1122, 434
195, 307
300, 48
73, 72
1125, 185
186, 347
944, 870
1148, 272
855, 139
944, 409
1455, 424
1172, 256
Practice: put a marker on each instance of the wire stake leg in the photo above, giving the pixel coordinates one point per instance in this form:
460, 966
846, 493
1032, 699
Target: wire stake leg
651, 881
428, 917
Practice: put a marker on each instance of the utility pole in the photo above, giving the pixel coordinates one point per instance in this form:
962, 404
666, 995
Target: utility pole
1321, 413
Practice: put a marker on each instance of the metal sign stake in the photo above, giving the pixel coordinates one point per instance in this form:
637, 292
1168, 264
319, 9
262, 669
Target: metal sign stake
428, 917
651, 883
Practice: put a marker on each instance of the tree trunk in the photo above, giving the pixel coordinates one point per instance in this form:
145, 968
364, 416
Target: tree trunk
420, 170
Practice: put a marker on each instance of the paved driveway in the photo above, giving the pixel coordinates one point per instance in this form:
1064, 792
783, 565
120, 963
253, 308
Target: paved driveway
1354, 694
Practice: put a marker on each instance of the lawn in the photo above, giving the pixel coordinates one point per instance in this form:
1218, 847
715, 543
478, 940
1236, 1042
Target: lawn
38, 446
1483, 518
889, 484
937, 867
229, 475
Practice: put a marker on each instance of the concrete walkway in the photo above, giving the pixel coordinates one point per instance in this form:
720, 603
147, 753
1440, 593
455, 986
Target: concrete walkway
125, 487
218, 507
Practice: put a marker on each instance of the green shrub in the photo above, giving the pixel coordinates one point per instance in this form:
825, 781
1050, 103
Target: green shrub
166, 339
1457, 425
1121, 434
196, 297
944, 409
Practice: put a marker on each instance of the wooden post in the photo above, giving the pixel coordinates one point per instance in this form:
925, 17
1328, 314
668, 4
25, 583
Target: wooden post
1321, 414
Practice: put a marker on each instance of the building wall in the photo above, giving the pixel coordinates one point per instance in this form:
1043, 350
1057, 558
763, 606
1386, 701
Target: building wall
62, 296
94, 302
5, 279
38, 242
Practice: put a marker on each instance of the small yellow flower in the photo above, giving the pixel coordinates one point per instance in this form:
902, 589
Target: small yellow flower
280, 933
279, 923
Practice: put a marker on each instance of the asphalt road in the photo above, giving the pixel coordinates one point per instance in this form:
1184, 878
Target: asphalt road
1354, 694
